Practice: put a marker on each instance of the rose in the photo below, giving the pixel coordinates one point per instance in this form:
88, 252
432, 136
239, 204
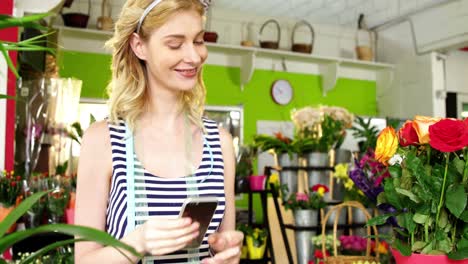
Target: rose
421, 124
407, 135
302, 197
387, 144
448, 135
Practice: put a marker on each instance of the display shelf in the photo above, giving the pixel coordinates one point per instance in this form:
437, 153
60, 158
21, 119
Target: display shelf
247, 57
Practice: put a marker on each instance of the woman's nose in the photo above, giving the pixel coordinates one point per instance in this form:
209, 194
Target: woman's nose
192, 55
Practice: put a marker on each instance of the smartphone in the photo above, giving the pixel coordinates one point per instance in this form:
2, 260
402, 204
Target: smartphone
201, 210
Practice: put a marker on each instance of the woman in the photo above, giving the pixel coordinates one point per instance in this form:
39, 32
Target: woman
156, 141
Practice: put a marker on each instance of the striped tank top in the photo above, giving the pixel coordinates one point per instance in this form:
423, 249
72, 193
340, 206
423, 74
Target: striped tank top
163, 197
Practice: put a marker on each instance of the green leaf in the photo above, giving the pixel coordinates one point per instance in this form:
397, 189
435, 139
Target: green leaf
458, 164
84, 232
410, 224
378, 220
420, 218
456, 199
440, 235
4, 96
92, 119
26, 21
460, 254
392, 195
464, 216
408, 194
8, 60
395, 171
381, 199
462, 243
444, 246
405, 250
19, 211
48, 248
418, 246
443, 219
428, 248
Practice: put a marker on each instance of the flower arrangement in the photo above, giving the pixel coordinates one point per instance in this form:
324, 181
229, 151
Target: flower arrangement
320, 129
352, 192
427, 189
312, 200
279, 143
11, 187
368, 174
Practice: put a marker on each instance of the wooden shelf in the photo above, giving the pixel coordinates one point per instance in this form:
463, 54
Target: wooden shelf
247, 57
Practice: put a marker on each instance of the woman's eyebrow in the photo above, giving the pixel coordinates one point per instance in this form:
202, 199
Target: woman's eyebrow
182, 36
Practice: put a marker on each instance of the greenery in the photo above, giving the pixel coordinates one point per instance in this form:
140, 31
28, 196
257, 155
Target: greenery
10, 188
258, 235
278, 143
84, 233
246, 160
311, 200
320, 129
427, 190
364, 130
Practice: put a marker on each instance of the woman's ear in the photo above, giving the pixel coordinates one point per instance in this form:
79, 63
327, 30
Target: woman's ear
138, 46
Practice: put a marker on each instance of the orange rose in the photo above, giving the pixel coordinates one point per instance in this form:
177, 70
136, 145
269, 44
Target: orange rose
421, 125
387, 144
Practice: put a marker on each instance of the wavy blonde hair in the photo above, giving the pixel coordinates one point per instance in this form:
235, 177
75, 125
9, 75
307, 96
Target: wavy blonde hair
128, 96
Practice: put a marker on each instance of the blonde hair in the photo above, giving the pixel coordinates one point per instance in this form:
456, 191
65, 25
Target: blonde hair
127, 90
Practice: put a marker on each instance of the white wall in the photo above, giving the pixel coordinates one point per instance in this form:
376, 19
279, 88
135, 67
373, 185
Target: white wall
331, 40
412, 88
457, 71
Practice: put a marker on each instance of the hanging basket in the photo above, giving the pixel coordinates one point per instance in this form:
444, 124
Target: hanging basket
344, 259
303, 47
270, 44
78, 20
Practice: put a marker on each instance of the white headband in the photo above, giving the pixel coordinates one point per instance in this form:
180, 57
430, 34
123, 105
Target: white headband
205, 3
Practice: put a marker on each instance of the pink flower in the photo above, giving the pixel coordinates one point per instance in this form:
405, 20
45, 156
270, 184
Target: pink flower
302, 197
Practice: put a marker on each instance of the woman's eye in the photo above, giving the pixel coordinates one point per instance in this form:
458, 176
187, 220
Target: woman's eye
199, 42
174, 46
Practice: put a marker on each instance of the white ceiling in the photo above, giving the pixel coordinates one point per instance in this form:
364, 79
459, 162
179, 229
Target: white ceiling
338, 12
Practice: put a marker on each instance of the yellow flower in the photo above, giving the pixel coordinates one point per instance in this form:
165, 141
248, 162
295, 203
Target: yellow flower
348, 184
421, 125
274, 178
387, 144
341, 171
321, 191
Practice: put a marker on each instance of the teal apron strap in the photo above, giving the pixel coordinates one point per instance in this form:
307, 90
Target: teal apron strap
130, 181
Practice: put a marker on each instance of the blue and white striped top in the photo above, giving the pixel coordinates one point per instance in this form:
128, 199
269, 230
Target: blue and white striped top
157, 196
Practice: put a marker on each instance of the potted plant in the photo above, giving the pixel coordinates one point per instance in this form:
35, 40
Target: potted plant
244, 228
305, 207
245, 167
366, 132
256, 240
427, 190
285, 152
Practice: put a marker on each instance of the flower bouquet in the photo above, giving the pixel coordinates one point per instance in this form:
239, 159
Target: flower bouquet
11, 188
427, 190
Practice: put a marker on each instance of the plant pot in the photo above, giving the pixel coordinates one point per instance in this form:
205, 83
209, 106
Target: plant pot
257, 182
424, 259
342, 156
255, 252
304, 246
288, 177
318, 159
4, 212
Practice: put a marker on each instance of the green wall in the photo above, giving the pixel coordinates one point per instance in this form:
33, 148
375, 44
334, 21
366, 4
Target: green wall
223, 88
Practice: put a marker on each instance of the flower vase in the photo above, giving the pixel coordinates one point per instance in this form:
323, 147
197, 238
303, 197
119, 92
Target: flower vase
254, 251
415, 258
304, 246
288, 177
318, 159
257, 182
4, 212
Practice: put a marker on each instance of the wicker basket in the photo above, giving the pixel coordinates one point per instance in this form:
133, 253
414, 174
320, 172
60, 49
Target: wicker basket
270, 44
341, 259
302, 47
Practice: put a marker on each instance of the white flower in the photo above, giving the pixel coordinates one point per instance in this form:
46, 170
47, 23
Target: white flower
396, 159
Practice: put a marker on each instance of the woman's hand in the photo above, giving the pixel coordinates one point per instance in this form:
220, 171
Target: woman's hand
159, 236
227, 246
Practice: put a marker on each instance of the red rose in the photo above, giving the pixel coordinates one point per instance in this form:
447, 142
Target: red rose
407, 135
448, 135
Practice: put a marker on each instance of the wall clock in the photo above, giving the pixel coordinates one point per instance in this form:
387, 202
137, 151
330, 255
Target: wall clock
281, 92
